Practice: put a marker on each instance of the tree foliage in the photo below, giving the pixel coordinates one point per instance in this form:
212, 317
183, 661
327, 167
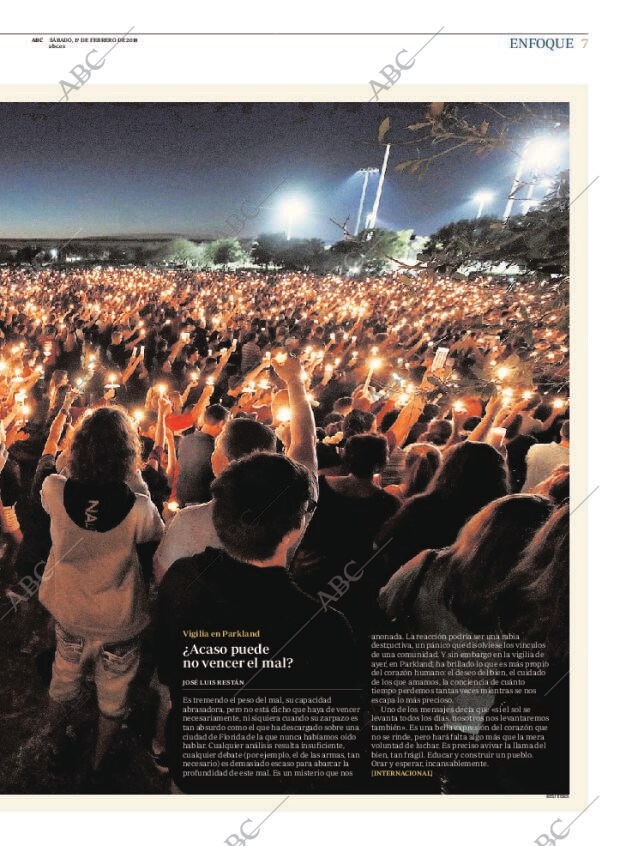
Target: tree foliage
536, 241
480, 128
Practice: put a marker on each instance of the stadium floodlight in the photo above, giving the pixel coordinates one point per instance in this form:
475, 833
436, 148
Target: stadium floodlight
292, 209
482, 198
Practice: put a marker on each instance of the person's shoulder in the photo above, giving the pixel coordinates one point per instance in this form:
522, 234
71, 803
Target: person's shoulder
537, 448
143, 503
190, 515
389, 499
181, 575
197, 509
54, 482
203, 566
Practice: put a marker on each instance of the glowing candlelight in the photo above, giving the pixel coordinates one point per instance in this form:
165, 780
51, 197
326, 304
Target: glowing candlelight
503, 372
526, 395
284, 415
161, 389
459, 405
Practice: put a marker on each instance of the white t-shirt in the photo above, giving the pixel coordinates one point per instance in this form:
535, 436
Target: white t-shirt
190, 531
541, 460
92, 583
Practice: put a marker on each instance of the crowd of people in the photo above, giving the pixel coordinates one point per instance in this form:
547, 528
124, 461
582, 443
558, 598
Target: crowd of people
178, 447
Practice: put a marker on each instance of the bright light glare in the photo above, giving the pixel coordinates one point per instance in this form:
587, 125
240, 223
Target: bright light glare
293, 208
483, 197
542, 152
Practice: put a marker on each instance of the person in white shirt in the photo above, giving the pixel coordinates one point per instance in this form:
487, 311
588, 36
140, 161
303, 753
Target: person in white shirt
542, 459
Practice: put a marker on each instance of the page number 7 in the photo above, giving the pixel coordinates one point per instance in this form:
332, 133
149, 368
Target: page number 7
584, 42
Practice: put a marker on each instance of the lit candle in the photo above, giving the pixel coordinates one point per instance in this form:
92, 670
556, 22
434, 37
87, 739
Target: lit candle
161, 389
284, 415
374, 364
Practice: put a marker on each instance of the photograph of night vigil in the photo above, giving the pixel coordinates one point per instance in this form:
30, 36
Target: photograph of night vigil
284, 448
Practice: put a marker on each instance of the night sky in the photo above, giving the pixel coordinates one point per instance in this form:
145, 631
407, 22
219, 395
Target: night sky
167, 168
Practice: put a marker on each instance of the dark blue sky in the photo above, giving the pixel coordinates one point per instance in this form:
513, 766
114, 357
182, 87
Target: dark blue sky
158, 168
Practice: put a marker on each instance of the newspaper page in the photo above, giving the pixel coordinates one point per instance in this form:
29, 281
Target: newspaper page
290, 507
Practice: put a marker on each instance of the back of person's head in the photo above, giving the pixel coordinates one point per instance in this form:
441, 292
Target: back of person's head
559, 486
565, 430
471, 473
257, 502
343, 405
242, 436
486, 550
216, 414
470, 424
365, 455
421, 463
536, 605
105, 448
388, 420
357, 423
332, 417
429, 412
438, 432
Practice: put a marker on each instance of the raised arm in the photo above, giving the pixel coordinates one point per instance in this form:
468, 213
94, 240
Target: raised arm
483, 428
303, 430
408, 417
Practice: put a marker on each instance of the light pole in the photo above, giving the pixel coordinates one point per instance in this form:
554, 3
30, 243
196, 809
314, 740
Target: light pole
482, 198
375, 208
366, 171
537, 154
